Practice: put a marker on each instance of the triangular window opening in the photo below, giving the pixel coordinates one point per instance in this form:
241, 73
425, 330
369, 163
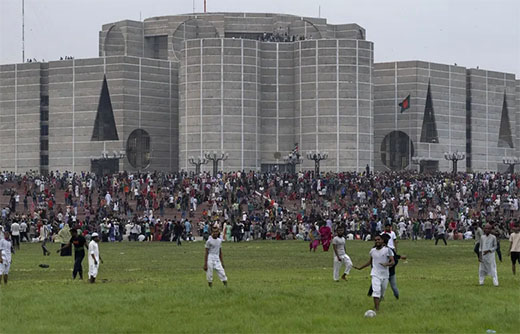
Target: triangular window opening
429, 127
505, 139
105, 124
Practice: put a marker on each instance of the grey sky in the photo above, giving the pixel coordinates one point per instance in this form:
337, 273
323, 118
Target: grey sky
471, 33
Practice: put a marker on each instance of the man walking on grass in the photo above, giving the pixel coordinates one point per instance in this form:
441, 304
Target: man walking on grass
80, 243
392, 241
440, 233
213, 257
514, 246
93, 258
381, 259
5, 257
487, 265
340, 256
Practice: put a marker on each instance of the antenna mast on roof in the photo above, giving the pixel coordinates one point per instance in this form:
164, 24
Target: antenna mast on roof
204, 6
23, 31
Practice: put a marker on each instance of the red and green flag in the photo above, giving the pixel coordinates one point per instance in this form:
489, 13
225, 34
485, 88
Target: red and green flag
405, 104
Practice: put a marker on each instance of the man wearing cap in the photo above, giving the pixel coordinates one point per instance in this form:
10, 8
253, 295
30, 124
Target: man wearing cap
487, 265
93, 258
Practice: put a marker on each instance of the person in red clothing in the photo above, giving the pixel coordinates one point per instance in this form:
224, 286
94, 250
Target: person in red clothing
326, 237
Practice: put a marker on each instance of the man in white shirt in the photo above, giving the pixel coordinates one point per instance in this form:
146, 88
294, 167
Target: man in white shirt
340, 256
487, 248
108, 198
213, 257
392, 242
15, 234
5, 257
402, 229
381, 259
23, 231
93, 258
441, 233
514, 246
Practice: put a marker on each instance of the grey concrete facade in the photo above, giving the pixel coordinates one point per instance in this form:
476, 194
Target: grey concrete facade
143, 93
200, 83
487, 91
517, 119
21, 88
394, 82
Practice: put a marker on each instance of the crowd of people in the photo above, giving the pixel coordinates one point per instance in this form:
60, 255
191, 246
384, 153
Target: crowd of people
251, 205
280, 37
243, 206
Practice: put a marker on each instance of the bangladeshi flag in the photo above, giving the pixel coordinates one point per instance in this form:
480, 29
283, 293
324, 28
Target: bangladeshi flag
405, 104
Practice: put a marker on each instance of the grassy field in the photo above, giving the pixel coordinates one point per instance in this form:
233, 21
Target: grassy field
274, 286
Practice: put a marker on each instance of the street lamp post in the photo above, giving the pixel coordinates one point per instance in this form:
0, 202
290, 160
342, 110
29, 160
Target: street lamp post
216, 157
197, 162
454, 157
105, 155
292, 160
511, 162
317, 157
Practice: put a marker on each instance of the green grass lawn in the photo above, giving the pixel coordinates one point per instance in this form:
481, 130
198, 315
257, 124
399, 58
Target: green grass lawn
274, 286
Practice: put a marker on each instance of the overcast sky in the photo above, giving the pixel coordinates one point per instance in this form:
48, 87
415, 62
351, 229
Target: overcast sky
471, 33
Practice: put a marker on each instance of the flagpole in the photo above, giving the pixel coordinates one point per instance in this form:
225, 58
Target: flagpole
23, 31
395, 104
409, 139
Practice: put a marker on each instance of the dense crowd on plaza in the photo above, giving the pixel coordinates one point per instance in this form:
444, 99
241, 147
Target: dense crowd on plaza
252, 205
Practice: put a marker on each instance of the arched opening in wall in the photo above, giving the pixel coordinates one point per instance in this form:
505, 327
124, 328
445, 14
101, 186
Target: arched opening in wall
192, 29
396, 150
304, 29
138, 149
114, 42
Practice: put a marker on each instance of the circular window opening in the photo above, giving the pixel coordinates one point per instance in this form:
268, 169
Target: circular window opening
396, 150
138, 149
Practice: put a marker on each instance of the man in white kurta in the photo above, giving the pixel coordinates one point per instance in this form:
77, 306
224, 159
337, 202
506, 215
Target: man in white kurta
487, 265
340, 256
93, 258
213, 257
5, 257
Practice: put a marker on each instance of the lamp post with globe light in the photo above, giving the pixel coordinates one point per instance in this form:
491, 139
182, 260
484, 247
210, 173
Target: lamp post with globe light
215, 158
454, 157
292, 160
197, 162
317, 157
511, 162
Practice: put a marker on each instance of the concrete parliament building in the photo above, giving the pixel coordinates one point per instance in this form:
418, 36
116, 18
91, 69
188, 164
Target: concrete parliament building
255, 86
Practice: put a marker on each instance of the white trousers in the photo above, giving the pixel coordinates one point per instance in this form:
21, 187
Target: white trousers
337, 265
488, 267
215, 264
379, 286
93, 270
4, 267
